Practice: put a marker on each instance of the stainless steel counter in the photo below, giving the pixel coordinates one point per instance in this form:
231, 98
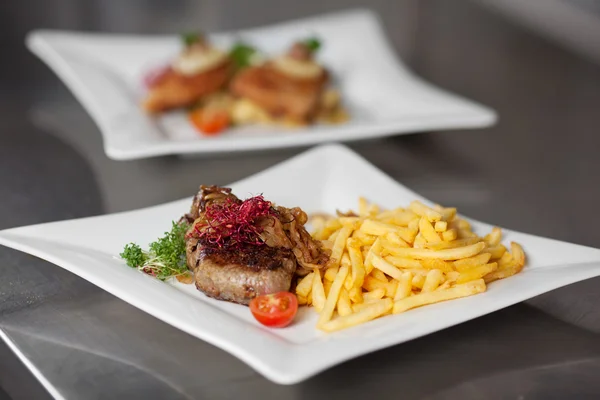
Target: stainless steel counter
536, 171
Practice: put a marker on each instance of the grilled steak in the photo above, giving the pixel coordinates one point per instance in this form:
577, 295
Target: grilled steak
227, 268
239, 276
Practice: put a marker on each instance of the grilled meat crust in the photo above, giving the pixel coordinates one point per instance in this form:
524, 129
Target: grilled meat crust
174, 90
279, 94
239, 276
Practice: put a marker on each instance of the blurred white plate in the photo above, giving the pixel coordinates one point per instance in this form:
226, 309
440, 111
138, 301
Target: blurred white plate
105, 72
322, 179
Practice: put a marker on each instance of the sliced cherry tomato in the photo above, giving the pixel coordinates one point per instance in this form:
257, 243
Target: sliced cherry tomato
275, 310
209, 121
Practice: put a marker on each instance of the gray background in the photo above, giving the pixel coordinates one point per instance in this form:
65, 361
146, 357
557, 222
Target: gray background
536, 171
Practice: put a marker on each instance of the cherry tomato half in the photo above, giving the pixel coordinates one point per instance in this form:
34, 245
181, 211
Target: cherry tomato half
275, 310
209, 121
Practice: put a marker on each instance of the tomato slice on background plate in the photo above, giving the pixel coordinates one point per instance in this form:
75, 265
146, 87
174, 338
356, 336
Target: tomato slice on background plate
210, 121
275, 310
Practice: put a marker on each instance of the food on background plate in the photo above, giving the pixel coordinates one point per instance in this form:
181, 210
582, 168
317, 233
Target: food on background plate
222, 89
385, 262
290, 89
200, 70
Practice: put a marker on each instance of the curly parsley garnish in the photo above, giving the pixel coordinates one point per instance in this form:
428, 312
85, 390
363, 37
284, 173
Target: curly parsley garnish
165, 257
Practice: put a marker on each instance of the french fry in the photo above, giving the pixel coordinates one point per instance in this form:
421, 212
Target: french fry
301, 300
456, 253
346, 261
331, 226
326, 286
419, 242
505, 260
327, 244
445, 285
441, 226
340, 244
508, 265
373, 311
494, 237
452, 244
518, 254
403, 218
449, 235
496, 252
512, 268
304, 287
373, 210
421, 299
471, 262
318, 292
403, 262
476, 272
427, 231
393, 239
391, 288
434, 263
333, 296
387, 216
452, 276
377, 274
344, 306
433, 280
372, 284
363, 207
374, 250
418, 281
378, 228
465, 234
373, 295
463, 224
363, 238
356, 260
330, 273
386, 267
404, 286
332, 237
423, 211
356, 295
448, 213
413, 225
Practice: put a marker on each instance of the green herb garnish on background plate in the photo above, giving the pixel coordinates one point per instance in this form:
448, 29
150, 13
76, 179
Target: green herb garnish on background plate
312, 43
191, 38
242, 54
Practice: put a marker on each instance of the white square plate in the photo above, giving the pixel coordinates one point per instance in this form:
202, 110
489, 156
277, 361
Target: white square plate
328, 176
105, 74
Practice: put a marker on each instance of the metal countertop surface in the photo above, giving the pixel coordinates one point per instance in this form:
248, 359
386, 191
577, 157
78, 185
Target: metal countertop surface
536, 171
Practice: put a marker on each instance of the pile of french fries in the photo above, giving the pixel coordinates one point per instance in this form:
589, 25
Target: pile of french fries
385, 262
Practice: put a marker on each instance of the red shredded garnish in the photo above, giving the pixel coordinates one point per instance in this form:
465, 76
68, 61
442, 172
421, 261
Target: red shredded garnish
232, 223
